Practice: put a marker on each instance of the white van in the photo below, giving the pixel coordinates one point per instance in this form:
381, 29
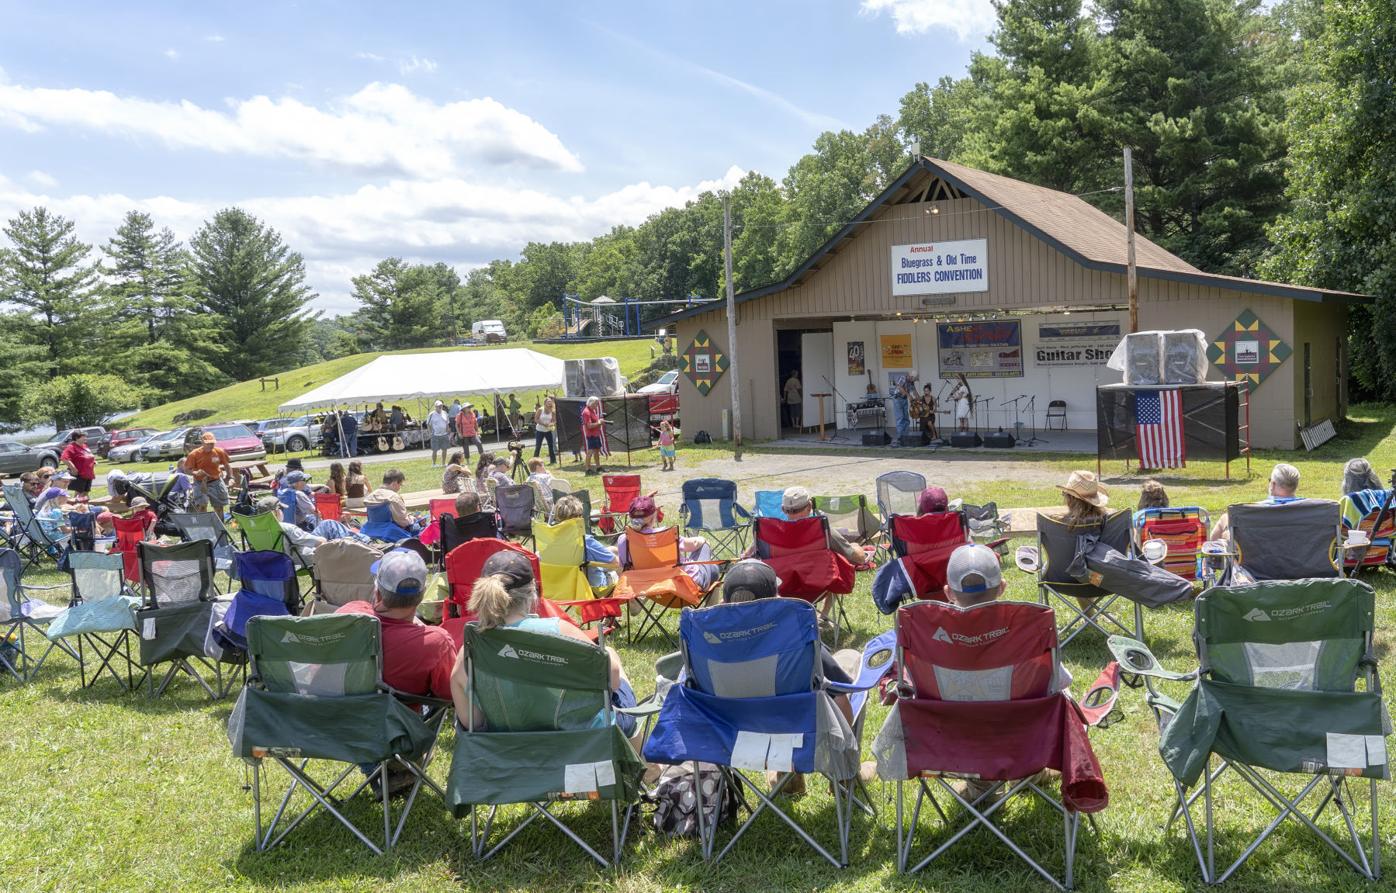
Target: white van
488, 330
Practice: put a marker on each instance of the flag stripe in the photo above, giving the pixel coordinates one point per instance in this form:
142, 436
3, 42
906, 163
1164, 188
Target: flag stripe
1159, 429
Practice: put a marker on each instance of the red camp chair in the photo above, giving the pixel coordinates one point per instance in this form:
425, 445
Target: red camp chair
654, 579
463, 565
130, 532
979, 696
1183, 530
808, 569
923, 543
439, 506
621, 490
329, 506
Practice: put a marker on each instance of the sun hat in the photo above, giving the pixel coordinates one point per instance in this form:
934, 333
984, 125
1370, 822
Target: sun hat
400, 572
1084, 486
139, 502
973, 568
208, 438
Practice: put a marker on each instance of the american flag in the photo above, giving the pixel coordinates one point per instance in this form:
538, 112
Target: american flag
1158, 421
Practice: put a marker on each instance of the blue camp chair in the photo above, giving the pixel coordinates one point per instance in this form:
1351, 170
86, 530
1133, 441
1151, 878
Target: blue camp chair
754, 699
710, 508
269, 588
768, 504
380, 524
21, 615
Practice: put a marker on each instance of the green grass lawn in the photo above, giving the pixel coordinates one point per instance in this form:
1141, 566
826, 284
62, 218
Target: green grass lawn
111, 791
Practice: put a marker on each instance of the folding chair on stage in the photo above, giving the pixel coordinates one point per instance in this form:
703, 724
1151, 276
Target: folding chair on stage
456, 531
1290, 541
921, 545
102, 616
1182, 530
769, 504
1275, 691
315, 692
807, 567
30, 539
328, 506
851, 516
655, 581
514, 505
980, 696
176, 613
208, 526
1360, 511
540, 732
710, 508
343, 574
21, 615
1058, 585
754, 699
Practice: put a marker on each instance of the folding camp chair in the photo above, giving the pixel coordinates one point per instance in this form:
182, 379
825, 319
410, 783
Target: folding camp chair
328, 506
1275, 691
176, 613
316, 693
440, 505
102, 616
710, 508
654, 579
807, 567
463, 565
208, 526
379, 524
621, 490
979, 695
542, 499
30, 538
269, 588
768, 504
20, 614
922, 546
130, 533
514, 505
544, 736
1182, 530
261, 532
851, 516
1360, 511
1057, 543
898, 493
985, 523
455, 531
343, 574
1286, 541
562, 558
753, 699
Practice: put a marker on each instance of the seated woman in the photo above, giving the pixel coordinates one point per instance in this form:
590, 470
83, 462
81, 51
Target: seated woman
644, 517
932, 500
355, 486
506, 595
1152, 495
1086, 500
602, 563
1358, 475
456, 469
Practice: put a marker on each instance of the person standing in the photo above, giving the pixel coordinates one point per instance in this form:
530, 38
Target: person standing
439, 427
350, 426
593, 434
82, 465
544, 425
468, 429
794, 399
209, 465
960, 395
902, 391
515, 418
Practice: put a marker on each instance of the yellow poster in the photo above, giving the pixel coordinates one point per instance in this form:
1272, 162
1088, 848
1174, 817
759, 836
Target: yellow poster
896, 351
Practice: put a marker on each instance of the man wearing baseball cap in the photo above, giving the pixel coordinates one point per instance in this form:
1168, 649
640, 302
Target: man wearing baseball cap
209, 465
417, 659
973, 576
295, 496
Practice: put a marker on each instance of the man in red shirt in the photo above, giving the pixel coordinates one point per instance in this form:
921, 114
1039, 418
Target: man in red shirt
593, 433
81, 463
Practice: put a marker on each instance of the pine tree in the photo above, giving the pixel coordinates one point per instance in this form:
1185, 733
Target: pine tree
254, 289
45, 273
400, 305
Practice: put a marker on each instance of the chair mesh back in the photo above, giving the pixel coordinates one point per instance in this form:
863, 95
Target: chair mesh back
332, 655
269, 574
1059, 540
532, 682
708, 502
751, 649
96, 575
1290, 541
652, 550
177, 574
899, 491
768, 504
343, 571
1307, 634
997, 651
24, 512
457, 531
515, 506
848, 514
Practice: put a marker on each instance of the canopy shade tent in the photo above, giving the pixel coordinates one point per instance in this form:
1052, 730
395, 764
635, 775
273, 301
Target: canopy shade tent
424, 376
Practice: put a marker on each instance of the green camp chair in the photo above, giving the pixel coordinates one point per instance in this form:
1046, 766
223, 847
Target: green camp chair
540, 732
851, 516
316, 693
1275, 691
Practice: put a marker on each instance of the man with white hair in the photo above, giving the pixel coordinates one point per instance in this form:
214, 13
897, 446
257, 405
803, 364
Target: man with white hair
1284, 487
903, 389
439, 428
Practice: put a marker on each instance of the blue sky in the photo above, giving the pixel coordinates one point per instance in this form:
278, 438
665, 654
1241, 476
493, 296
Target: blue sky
441, 131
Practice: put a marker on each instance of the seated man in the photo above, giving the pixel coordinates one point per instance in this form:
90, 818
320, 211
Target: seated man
973, 576
390, 494
295, 496
1284, 487
797, 503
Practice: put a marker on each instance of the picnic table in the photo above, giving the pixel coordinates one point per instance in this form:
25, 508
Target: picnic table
257, 472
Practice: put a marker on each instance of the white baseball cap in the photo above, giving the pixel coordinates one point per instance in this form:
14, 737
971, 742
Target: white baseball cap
973, 568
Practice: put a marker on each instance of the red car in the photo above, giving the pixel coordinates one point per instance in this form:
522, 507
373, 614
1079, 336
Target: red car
237, 440
122, 438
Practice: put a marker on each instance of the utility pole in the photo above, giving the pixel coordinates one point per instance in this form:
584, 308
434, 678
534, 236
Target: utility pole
732, 375
1131, 274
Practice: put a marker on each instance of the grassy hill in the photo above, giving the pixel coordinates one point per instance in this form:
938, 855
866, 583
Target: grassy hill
249, 400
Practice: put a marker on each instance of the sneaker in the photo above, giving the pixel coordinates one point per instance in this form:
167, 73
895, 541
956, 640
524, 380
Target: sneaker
795, 787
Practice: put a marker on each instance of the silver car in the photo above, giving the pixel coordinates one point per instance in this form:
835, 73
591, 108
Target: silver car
131, 452
292, 435
169, 445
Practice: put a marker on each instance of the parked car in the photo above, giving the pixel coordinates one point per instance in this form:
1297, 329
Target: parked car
668, 383
119, 438
262, 426
94, 433
131, 452
169, 445
237, 440
292, 435
16, 458
489, 331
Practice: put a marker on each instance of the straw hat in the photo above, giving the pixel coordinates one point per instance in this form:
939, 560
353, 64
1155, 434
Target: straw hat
1084, 486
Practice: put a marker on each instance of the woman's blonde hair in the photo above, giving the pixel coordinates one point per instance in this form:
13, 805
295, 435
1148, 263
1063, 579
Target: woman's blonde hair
1079, 511
493, 602
567, 508
1152, 495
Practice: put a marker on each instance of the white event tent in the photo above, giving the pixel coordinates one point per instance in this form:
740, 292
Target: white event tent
427, 376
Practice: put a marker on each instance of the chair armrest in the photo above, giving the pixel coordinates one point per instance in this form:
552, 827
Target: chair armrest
848, 688
1136, 659
648, 707
738, 510
415, 699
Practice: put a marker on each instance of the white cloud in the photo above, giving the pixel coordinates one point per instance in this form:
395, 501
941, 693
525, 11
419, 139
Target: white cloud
383, 128
370, 57
413, 64
967, 18
42, 180
214, 38
172, 54
460, 222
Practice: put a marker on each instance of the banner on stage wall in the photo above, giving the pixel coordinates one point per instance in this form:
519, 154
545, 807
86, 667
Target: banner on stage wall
897, 352
855, 358
990, 349
1075, 344
939, 268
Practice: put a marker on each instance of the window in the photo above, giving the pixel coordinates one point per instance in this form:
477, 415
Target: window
229, 432
8, 446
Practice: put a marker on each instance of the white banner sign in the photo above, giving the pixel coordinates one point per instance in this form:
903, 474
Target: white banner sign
937, 268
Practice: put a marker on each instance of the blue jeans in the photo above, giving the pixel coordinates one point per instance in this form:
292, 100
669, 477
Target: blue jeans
901, 413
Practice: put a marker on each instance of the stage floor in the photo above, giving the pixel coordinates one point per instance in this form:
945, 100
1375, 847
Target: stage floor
1047, 442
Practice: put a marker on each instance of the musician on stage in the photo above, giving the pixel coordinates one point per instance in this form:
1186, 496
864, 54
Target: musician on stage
961, 396
924, 409
903, 389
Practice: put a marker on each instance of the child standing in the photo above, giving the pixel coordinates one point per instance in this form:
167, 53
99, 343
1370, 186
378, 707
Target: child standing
668, 452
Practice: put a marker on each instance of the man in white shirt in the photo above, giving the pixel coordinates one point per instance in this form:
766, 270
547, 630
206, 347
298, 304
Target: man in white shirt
439, 427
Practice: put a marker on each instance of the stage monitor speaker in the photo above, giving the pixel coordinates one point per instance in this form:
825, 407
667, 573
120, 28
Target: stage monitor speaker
1001, 439
876, 438
965, 440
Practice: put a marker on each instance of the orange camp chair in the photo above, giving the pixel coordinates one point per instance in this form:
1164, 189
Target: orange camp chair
1183, 530
329, 506
655, 580
808, 569
129, 534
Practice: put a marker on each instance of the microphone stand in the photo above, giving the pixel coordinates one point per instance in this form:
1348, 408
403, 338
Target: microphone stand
837, 397
1032, 414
